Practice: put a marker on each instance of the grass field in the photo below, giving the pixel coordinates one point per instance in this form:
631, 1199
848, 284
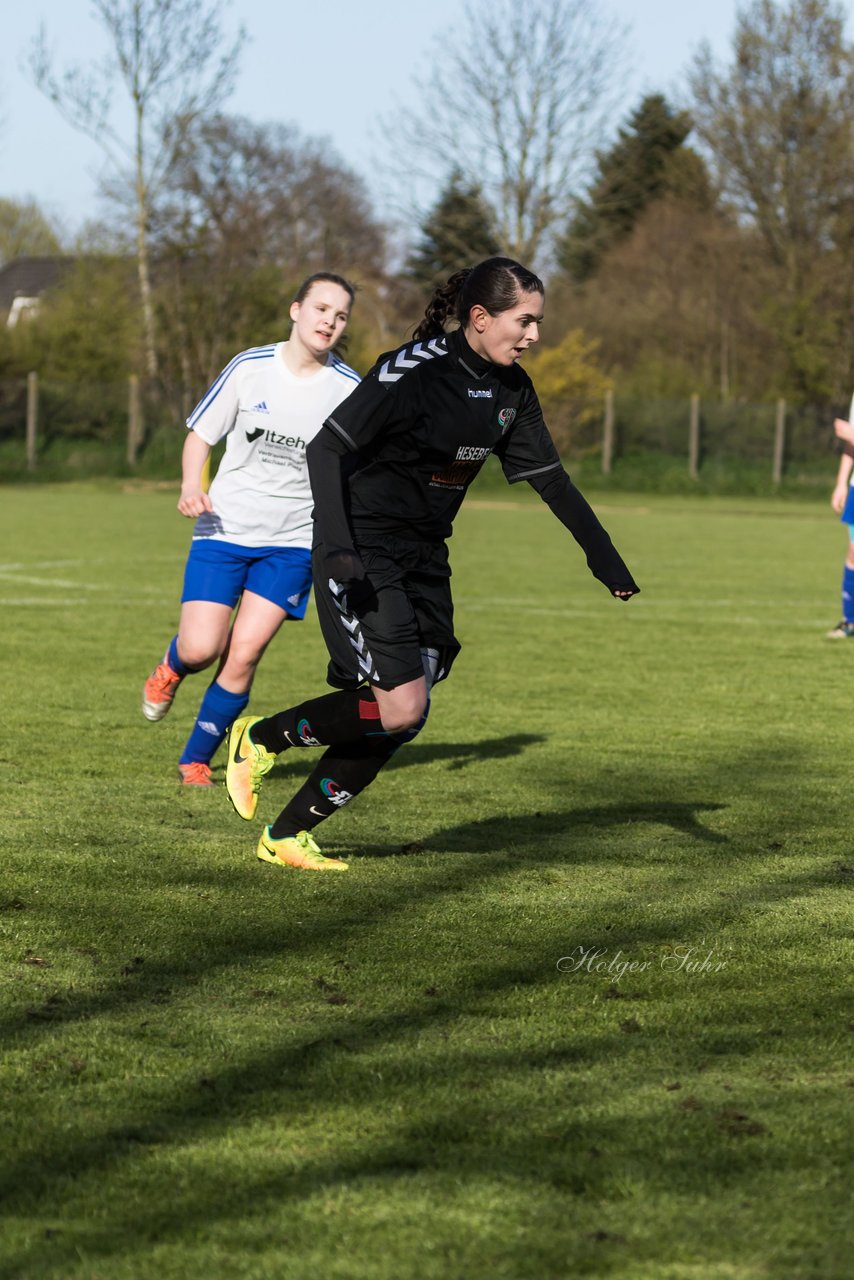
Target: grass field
581, 1008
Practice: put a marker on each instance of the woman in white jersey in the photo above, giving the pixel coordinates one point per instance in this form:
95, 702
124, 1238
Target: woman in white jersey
253, 533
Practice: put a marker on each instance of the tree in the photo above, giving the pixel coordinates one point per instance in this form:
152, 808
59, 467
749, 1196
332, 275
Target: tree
270, 195
648, 160
249, 210
777, 126
166, 56
82, 342
519, 97
84, 333
457, 232
25, 231
677, 306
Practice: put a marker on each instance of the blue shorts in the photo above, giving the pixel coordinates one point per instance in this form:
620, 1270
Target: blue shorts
222, 571
847, 516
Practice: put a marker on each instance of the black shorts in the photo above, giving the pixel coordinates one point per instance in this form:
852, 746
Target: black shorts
405, 607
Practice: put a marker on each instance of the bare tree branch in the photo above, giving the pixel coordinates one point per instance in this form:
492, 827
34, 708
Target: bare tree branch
517, 101
777, 126
165, 55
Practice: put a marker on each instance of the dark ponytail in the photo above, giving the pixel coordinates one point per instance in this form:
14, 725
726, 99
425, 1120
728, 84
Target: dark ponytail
442, 304
493, 284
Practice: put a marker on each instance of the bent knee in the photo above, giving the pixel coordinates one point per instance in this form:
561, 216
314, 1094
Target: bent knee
242, 664
405, 717
196, 657
401, 723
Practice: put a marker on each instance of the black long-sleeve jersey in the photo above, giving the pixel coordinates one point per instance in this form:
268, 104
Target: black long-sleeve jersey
397, 456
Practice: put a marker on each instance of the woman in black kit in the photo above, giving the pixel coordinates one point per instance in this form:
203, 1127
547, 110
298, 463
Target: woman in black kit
389, 470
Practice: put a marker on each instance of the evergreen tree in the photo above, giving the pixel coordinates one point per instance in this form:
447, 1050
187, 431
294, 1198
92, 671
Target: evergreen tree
457, 232
647, 161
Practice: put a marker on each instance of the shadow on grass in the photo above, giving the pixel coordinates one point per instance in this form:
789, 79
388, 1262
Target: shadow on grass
474, 1131
538, 832
588, 835
537, 838
327, 1066
455, 755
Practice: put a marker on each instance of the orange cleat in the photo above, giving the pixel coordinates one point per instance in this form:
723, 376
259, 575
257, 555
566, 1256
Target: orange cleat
159, 691
195, 774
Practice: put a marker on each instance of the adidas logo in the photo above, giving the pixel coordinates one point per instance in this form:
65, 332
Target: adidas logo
260, 407
208, 726
293, 599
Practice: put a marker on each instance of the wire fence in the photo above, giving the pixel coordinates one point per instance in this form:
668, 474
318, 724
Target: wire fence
130, 425
43, 420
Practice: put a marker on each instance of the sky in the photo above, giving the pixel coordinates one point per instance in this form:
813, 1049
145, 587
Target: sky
333, 70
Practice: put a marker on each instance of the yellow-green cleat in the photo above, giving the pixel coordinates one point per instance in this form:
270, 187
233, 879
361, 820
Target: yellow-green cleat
247, 764
296, 851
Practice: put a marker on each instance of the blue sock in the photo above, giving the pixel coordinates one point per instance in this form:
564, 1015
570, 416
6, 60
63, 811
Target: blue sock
217, 714
172, 658
848, 594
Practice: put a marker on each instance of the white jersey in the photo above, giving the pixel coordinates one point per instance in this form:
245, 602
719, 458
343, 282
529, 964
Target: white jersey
261, 494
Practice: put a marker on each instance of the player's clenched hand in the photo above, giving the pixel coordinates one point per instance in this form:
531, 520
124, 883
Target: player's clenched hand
193, 502
346, 569
623, 593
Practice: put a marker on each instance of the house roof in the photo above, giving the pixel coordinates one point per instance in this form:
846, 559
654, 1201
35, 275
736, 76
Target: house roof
30, 277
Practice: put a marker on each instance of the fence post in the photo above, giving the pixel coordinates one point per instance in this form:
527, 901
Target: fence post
608, 432
779, 441
694, 438
32, 418
134, 418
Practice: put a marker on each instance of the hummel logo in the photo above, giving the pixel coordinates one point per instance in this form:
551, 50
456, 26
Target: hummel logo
475, 393
253, 435
260, 407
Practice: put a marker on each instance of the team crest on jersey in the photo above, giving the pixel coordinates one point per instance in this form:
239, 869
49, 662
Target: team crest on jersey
506, 416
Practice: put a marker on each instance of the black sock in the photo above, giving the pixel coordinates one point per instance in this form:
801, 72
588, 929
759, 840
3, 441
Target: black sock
341, 773
346, 716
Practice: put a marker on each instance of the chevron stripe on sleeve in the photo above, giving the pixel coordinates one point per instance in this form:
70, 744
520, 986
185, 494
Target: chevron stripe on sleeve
410, 357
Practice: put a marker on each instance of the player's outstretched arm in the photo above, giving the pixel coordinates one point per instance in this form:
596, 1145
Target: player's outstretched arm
574, 511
